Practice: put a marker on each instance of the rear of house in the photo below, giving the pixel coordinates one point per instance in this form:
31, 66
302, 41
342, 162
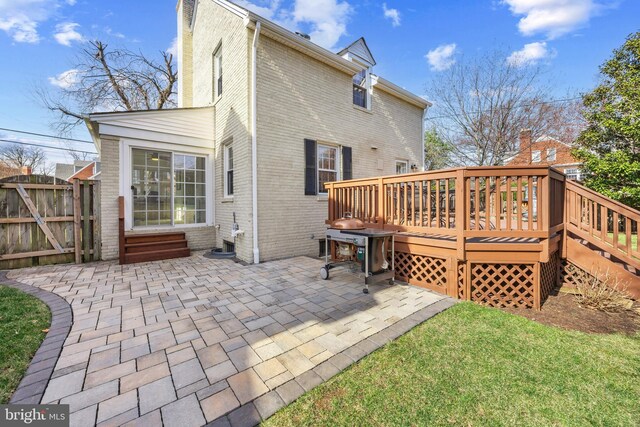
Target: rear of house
312, 115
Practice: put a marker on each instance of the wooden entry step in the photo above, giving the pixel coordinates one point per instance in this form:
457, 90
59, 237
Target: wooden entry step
154, 247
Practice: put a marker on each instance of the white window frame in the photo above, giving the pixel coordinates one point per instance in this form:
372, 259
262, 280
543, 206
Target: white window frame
217, 74
225, 167
405, 163
536, 156
367, 85
551, 151
126, 157
338, 170
573, 173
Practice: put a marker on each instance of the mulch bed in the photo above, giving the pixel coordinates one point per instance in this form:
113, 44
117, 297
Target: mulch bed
562, 310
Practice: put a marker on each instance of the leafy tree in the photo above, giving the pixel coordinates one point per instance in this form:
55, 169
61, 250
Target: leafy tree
437, 152
610, 144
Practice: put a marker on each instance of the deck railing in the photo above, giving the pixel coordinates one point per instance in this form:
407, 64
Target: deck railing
460, 204
604, 223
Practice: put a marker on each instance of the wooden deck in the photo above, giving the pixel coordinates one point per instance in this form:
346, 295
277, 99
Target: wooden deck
492, 234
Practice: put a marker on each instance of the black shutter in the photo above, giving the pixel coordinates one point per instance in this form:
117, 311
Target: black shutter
310, 168
346, 163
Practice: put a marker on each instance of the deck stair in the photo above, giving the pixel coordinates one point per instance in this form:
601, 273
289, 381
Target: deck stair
144, 247
154, 247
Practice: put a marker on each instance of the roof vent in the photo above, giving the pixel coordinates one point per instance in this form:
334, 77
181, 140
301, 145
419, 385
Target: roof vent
304, 36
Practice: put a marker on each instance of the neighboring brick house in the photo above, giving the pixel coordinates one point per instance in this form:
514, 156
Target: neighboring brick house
80, 169
546, 151
265, 117
7, 170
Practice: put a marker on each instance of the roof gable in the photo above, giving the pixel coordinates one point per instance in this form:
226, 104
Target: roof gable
360, 51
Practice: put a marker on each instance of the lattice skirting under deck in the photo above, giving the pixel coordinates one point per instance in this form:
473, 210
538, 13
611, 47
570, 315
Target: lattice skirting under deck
497, 285
422, 270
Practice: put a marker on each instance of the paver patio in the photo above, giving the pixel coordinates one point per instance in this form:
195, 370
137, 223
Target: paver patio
193, 340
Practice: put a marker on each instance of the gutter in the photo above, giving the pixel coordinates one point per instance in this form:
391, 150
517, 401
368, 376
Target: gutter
254, 142
424, 131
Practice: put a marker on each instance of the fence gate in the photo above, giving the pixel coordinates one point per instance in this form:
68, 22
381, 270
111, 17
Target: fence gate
44, 220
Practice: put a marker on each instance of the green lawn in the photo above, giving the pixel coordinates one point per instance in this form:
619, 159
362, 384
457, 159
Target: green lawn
22, 321
622, 240
475, 366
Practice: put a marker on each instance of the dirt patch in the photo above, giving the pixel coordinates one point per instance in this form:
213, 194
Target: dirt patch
563, 311
326, 401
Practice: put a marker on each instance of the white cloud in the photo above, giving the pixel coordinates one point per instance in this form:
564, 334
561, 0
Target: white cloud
20, 18
552, 18
324, 20
530, 54
66, 79
266, 8
66, 33
392, 14
441, 58
71, 2
112, 33
327, 19
173, 48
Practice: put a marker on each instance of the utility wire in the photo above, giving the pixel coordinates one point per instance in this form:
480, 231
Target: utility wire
444, 116
47, 136
47, 146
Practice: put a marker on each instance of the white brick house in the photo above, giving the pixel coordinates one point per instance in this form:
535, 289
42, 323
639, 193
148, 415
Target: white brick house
266, 116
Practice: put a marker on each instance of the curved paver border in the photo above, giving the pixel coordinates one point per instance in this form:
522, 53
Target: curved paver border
36, 378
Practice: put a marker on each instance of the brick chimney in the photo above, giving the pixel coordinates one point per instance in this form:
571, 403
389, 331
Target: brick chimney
25, 170
525, 139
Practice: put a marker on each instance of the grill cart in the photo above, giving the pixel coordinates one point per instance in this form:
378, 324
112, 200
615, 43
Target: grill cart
366, 249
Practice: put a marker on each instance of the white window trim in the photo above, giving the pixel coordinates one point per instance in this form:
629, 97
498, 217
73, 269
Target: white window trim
533, 156
225, 169
216, 61
368, 85
404, 162
338, 170
126, 147
555, 154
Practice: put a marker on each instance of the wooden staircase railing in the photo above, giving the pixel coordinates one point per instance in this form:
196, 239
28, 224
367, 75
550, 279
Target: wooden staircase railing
604, 223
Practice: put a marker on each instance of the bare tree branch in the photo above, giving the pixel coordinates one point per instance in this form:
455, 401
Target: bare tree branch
105, 80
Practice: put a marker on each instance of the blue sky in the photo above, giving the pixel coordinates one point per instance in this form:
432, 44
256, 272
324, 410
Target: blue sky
411, 39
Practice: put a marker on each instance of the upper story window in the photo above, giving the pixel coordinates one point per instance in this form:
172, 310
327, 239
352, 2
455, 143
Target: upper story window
361, 85
228, 170
327, 165
402, 166
217, 74
535, 156
551, 154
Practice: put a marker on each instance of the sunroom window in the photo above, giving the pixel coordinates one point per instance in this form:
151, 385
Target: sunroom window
167, 188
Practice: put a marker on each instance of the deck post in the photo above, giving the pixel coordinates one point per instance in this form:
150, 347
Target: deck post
546, 207
332, 196
460, 209
382, 209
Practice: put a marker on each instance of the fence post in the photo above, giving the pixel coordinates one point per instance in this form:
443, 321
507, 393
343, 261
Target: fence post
97, 240
76, 221
86, 222
460, 198
121, 229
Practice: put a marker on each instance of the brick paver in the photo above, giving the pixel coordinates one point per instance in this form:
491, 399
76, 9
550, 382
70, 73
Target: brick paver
195, 340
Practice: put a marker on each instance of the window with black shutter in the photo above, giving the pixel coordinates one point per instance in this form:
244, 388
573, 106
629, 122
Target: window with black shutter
310, 167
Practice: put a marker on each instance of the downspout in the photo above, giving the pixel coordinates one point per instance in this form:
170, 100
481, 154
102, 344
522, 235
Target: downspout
424, 130
254, 143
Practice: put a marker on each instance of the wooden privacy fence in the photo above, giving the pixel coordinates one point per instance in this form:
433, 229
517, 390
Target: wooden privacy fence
44, 220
